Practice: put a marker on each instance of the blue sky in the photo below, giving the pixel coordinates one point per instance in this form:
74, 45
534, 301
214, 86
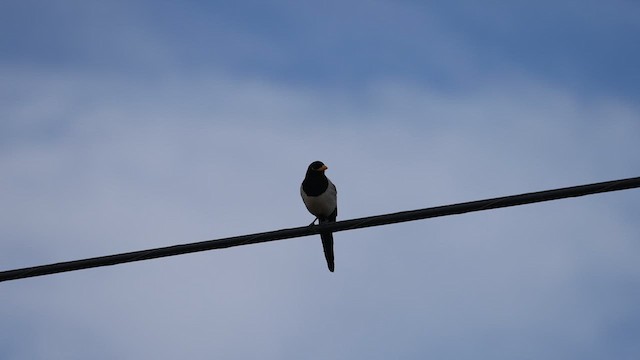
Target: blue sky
139, 124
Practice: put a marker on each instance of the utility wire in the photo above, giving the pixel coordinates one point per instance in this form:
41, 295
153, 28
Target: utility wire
446, 210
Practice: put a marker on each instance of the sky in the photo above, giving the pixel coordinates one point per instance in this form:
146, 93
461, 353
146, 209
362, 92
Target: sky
128, 125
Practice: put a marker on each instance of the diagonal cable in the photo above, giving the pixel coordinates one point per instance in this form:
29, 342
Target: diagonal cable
377, 220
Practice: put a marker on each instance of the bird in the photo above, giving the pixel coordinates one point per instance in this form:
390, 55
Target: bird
319, 195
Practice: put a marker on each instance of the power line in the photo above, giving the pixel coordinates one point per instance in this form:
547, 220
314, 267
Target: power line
377, 220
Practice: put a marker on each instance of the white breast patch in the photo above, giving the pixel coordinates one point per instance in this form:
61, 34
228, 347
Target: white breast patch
323, 204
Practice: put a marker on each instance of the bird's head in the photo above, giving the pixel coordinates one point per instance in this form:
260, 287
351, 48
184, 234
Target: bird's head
317, 166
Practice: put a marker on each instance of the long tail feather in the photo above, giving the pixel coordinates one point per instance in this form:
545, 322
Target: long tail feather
327, 240
327, 245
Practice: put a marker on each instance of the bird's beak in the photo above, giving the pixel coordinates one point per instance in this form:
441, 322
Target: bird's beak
323, 168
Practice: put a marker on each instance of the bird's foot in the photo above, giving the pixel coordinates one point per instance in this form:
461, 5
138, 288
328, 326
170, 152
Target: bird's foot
313, 222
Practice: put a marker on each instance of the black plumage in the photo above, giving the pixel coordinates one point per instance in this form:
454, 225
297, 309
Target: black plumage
320, 197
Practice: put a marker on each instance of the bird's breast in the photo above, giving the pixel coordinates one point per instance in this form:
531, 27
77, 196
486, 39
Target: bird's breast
321, 205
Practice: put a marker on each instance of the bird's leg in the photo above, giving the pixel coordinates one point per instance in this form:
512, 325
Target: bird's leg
313, 222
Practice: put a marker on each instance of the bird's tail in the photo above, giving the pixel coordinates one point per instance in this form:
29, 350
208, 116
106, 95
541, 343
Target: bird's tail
327, 245
327, 240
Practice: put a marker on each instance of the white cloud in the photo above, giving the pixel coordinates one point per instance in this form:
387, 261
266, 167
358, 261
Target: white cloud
125, 166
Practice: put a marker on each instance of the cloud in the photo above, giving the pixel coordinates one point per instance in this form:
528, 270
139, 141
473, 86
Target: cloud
587, 47
100, 165
130, 126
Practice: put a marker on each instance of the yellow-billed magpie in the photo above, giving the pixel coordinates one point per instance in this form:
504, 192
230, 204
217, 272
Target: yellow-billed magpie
320, 197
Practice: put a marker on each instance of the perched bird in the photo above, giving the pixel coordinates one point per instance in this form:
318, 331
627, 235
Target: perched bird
320, 197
